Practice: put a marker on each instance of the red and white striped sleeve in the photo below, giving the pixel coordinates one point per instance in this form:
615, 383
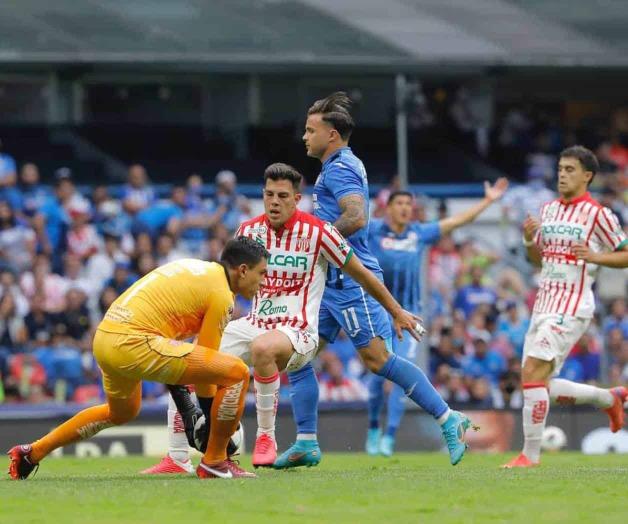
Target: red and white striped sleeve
608, 229
334, 247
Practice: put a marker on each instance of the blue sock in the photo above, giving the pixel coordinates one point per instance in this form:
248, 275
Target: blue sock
304, 399
396, 409
376, 399
415, 384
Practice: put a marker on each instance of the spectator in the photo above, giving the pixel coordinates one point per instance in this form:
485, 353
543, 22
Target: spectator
162, 216
381, 200
335, 386
444, 352
137, 194
8, 170
145, 264
484, 363
231, 208
51, 221
82, 239
122, 278
74, 274
444, 266
508, 394
107, 297
475, 294
480, 395
38, 323
617, 319
8, 283
74, 322
100, 266
166, 251
34, 194
12, 332
41, 279
8, 180
514, 327
450, 384
66, 191
17, 241
106, 209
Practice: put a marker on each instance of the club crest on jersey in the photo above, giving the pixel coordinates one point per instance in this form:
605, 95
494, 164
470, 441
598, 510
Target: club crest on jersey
303, 244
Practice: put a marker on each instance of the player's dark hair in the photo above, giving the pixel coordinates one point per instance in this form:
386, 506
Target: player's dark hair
585, 156
396, 194
335, 111
243, 250
280, 171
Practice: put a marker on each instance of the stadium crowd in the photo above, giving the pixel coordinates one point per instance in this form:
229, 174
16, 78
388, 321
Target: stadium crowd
66, 256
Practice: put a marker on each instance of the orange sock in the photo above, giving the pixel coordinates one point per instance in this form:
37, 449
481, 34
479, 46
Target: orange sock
226, 413
85, 424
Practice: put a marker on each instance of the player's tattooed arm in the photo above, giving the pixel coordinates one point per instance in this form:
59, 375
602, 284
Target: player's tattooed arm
353, 215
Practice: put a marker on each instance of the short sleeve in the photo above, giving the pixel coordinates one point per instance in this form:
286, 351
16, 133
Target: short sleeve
429, 233
343, 181
334, 247
608, 229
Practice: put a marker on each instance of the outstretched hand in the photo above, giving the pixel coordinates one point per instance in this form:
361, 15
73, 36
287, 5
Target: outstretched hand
496, 191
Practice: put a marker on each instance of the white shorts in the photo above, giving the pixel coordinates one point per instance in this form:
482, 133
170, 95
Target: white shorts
238, 335
551, 337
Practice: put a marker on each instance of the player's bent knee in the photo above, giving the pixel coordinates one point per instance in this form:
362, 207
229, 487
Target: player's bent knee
261, 352
121, 414
374, 360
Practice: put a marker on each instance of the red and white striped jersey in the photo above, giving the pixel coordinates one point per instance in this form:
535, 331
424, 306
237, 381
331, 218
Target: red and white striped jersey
299, 255
566, 283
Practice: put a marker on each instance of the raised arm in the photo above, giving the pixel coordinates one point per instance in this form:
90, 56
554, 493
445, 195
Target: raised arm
491, 194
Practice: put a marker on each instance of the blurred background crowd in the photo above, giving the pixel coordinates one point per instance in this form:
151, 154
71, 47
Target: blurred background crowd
67, 251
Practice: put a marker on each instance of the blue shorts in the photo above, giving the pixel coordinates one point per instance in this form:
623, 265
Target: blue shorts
358, 313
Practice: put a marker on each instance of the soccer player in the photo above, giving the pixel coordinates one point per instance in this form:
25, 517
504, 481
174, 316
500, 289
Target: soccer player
141, 338
281, 331
398, 245
574, 237
341, 197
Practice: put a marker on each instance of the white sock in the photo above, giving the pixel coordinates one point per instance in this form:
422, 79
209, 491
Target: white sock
566, 392
266, 400
177, 441
535, 410
443, 418
306, 436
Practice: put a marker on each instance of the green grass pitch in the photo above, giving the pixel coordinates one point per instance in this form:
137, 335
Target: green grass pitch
345, 488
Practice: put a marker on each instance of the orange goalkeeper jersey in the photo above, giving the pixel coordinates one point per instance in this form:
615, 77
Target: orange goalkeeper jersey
178, 300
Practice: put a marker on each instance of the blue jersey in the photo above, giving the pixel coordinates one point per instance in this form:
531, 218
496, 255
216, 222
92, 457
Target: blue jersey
400, 256
343, 174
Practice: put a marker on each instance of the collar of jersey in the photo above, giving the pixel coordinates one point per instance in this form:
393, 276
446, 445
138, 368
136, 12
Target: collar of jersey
335, 155
289, 223
585, 197
391, 230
